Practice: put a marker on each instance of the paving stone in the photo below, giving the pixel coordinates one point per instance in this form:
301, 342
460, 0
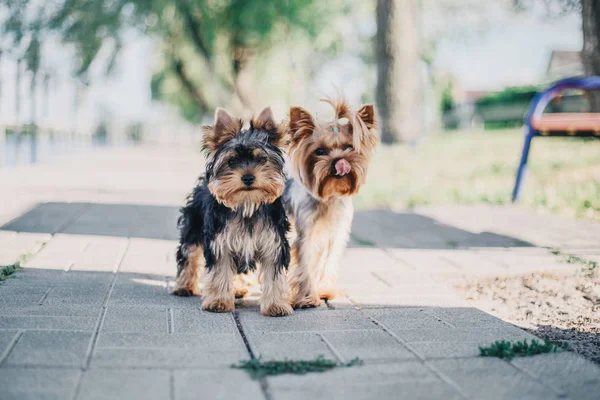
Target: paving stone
65, 310
101, 384
46, 218
147, 256
373, 345
366, 258
45, 322
6, 337
492, 378
227, 342
565, 372
82, 293
453, 335
217, 385
375, 300
289, 345
135, 319
166, 358
405, 318
59, 253
50, 348
198, 321
38, 383
136, 289
23, 244
100, 254
306, 321
48, 278
434, 350
402, 380
14, 296
368, 391
466, 317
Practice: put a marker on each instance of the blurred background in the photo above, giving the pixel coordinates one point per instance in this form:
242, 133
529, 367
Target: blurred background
451, 81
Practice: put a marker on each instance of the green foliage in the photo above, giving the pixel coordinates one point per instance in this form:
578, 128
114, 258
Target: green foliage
447, 101
259, 369
509, 350
515, 94
8, 270
205, 43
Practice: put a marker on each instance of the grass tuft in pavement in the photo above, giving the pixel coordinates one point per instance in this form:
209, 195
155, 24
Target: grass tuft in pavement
509, 350
259, 369
10, 270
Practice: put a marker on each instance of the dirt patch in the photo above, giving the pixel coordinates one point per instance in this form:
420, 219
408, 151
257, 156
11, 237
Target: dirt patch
563, 308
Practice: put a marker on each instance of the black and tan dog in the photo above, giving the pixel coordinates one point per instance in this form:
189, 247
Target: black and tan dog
235, 219
329, 163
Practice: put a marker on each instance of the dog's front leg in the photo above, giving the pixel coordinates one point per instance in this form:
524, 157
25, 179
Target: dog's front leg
302, 280
219, 294
274, 301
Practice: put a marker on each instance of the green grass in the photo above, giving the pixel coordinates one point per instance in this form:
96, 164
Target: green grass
509, 350
7, 271
573, 259
259, 369
479, 168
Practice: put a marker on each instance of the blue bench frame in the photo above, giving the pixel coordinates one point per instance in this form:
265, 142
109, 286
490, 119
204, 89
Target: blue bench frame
536, 108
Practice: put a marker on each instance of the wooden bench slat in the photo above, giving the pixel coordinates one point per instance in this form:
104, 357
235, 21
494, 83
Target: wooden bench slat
567, 122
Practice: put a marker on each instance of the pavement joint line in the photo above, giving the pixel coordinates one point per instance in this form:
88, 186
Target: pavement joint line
264, 385
171, 385
440, 319
10, 347
45, 296
170, 322
536, 378
121, 256
79, 383
331, 348
92, 346
101, 317
386, 283
421, 358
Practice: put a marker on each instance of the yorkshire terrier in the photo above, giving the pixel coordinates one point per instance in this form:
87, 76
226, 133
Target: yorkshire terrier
329, 163
235, 219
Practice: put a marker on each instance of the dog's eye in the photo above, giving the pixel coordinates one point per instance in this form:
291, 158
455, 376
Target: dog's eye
321, 152
348, 147
261, 160
231, 163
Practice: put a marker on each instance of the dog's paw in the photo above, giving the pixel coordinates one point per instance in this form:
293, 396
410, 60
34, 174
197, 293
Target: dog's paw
277, 310
218, 305
240, 292
185, 292
329, 293
307, 302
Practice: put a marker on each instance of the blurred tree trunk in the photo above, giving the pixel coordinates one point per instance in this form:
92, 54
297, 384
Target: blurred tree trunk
243, 79
398, 77
590, 15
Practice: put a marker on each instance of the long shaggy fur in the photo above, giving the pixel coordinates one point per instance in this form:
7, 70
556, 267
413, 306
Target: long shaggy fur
319, 197
230, 226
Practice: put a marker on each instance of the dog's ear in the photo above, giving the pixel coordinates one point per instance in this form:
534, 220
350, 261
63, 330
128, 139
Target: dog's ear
301, 123
367, 115
266, 122
225, 128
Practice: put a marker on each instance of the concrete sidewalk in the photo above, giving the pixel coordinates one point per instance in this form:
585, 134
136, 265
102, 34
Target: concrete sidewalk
90, 316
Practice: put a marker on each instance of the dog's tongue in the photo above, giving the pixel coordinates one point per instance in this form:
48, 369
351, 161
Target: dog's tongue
342, 167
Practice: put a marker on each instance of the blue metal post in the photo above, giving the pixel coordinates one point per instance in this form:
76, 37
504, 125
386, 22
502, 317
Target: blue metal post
523, 164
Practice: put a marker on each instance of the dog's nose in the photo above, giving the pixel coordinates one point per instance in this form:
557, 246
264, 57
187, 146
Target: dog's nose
248, 179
